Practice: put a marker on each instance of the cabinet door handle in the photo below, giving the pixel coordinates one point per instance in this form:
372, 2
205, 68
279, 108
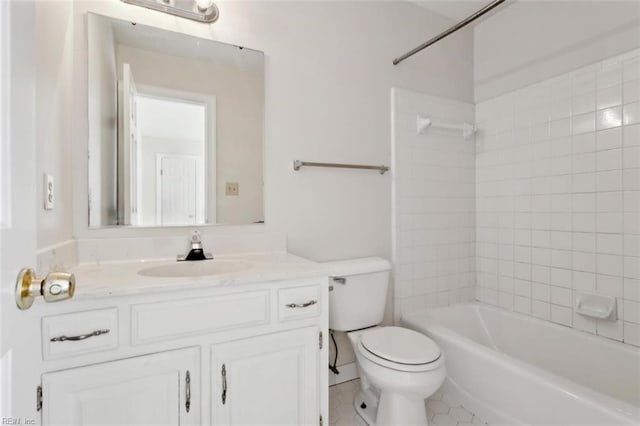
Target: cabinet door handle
224, 384
187, 404
301, 305
80, 337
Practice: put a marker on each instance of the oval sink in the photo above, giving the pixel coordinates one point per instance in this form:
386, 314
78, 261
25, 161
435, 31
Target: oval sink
202, 268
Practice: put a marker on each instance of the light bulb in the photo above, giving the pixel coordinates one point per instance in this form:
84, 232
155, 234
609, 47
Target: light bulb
204, 4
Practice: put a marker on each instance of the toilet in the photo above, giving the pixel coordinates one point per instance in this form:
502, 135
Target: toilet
399, 368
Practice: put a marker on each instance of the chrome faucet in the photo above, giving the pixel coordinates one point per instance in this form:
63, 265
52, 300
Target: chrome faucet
196, 252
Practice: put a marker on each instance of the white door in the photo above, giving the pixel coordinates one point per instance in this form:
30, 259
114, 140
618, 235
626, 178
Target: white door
177, 190
267, 380
146, 390
129, 147
19, 346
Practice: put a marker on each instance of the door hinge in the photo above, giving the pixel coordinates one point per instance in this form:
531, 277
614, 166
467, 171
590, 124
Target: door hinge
39, 398
321, 421
320, 340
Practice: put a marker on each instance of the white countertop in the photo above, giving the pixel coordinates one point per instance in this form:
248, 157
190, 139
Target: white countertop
123, 278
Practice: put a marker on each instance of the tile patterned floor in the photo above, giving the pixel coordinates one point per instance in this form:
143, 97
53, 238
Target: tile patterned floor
442, 409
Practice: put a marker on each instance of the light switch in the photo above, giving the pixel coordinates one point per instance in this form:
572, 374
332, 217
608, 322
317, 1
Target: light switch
48, 192
232, 188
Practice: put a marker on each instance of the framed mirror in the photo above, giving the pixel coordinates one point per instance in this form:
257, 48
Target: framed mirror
176, 128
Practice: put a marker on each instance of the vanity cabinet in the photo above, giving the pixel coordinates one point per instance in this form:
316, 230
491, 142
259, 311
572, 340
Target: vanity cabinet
220, 355
270, 379
158, 389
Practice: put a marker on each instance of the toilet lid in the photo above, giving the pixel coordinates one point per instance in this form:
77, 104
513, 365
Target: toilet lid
401, 345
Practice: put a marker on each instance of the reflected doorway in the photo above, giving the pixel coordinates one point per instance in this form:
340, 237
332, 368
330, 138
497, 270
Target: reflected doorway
168, 172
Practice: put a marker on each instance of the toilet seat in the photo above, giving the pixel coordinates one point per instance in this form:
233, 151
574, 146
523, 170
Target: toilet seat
400, 349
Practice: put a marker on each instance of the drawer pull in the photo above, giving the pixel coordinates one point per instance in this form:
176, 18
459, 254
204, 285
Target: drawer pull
80, 337
187, 404
301, 305
224, 384
339, 280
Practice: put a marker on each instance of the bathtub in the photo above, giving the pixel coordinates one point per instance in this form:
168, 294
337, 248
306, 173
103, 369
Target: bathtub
514, 369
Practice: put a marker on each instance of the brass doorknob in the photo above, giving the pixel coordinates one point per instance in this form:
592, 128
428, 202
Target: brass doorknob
55, 287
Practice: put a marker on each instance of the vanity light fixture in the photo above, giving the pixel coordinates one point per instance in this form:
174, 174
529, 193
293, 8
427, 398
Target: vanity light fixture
197, 10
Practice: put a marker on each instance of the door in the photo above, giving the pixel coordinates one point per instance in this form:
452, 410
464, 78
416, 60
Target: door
146, 390
266, 380
19, 346
177, 189
129, 146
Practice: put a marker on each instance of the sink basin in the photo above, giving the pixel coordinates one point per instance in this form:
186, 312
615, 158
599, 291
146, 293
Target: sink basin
202, 268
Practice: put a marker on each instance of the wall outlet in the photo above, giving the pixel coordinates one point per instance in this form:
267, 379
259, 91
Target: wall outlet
48, 192
232, 188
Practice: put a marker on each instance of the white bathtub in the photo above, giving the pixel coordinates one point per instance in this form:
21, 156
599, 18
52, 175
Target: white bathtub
521, 370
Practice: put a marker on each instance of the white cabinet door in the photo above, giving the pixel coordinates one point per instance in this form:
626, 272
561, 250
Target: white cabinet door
146, 390
267, 380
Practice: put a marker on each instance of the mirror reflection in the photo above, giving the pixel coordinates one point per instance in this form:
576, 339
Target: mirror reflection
175, 128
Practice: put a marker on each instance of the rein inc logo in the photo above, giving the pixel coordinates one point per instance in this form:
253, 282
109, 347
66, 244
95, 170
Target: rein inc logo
17, 421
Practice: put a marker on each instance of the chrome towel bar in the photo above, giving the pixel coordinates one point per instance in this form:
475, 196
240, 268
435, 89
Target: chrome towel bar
297, 164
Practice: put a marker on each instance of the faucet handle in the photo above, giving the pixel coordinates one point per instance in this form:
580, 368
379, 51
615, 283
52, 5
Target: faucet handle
195, 237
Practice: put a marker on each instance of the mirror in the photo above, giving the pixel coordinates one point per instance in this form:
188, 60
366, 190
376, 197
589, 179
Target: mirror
175, 128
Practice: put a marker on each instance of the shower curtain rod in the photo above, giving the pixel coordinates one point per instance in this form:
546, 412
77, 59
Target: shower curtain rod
451, 30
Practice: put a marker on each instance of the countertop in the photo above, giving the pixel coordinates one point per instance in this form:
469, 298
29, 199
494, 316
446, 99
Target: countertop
123, 278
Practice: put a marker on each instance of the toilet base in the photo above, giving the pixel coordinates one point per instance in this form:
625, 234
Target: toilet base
394, 409
366, 405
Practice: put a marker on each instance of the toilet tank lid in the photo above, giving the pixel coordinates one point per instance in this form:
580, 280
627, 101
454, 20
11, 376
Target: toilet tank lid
363, 265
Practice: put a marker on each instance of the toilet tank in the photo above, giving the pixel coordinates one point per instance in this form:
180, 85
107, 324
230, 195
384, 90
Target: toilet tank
359, 292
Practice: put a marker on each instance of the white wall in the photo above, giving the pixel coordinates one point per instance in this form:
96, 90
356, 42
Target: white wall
530, 41
558, 196
433, 204
54, 42
328, 76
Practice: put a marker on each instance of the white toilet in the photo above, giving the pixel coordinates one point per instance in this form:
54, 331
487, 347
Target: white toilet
399, 368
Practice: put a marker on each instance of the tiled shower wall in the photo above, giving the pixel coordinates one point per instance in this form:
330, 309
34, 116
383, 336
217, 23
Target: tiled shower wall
558, 196
433, 204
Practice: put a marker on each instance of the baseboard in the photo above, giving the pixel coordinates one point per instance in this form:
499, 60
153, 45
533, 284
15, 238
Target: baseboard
347, 372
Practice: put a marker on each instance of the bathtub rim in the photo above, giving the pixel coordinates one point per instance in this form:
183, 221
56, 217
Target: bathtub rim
625, 410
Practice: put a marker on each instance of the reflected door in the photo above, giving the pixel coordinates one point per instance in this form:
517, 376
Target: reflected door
177, 184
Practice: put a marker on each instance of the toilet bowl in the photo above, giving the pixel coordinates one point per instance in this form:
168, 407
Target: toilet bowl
399, 368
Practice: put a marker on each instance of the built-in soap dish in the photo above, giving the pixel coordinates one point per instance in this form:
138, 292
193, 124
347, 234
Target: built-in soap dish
596, 306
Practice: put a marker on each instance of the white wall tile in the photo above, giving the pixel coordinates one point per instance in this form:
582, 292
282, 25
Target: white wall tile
609, 118
630, 114
632, 333
610, 329
609, 97
561, 296
609, 201
565, 183
609, 160
561, 315
540, 309
631, 91
434, 246
609, 139
631, 135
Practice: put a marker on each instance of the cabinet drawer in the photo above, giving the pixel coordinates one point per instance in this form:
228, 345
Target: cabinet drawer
298, 302
152, 322
79, 333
